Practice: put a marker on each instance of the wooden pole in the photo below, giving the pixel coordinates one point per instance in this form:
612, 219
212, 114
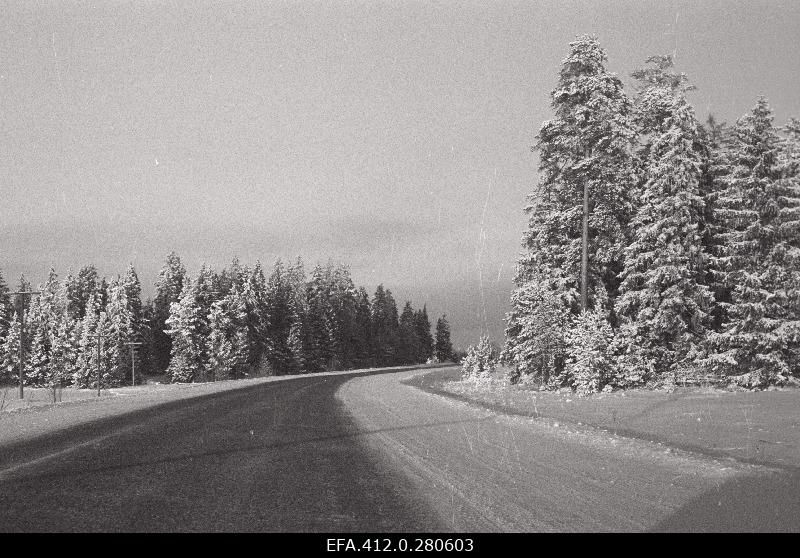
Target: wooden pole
585, 248
99, 340
133, 344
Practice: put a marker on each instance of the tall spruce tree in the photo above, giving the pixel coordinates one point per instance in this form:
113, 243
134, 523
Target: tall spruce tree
586, 159
443, 349
228, 348
90, 326
384, 327
64, 349
589, 145
408, 343
714, 151
253, 292
121, 329
187, 329
9, 354
422, 326
300, 341
663, 300
278, 318
65, 336
363, 331
139, 334
40, 324
86, 284
169, 287
37, 327
319, 350
760, 210
343, 316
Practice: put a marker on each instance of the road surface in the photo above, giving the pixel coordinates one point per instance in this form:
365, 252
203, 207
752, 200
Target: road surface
357, 453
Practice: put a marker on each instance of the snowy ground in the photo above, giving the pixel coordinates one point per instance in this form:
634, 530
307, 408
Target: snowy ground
487, 469
755, 427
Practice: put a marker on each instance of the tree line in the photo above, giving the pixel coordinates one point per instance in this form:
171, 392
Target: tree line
210, 326
693, 232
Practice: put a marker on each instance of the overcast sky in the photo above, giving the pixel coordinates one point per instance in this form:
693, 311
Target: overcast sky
392, 136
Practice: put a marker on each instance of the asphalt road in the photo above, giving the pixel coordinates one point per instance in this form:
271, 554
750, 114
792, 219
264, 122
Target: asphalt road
361, 453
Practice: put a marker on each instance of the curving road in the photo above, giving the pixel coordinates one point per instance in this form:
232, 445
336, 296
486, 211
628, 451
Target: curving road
357, 452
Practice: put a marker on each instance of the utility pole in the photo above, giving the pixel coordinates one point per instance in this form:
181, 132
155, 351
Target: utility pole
133, 361
22, 338
585, 248
99, 337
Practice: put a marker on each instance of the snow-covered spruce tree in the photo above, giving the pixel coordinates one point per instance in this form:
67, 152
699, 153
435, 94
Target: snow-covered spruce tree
254, 294
423, 329
443, 348
37, 324
408, 342
64, 350
296, 364
790, 185
586, 149
64, 335
169, 287
760, 209
39, 331
663, 303
228, 342
110, 375
277, 320
87, 283
344, 305
39, 357
299, 340
589, 364
133, 294
86, 365
480, 362
10, 352
331, 300
121, 329
385, 324
650, 110
319, 324
188, 330
535, 332
363, 331
714, 152
139, 326
588, 144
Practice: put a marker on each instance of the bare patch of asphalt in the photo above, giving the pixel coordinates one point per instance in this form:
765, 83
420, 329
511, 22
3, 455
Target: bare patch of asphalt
765, 500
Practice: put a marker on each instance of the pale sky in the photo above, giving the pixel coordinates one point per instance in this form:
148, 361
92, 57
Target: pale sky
392, 136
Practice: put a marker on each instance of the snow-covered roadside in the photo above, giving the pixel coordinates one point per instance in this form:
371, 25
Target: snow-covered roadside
486, 471
754, 427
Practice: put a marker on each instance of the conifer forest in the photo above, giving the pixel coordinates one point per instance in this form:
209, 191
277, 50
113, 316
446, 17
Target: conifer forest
210, 326
692, 269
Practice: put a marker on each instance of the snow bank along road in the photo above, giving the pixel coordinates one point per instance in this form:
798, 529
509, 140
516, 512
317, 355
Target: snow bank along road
364, 452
